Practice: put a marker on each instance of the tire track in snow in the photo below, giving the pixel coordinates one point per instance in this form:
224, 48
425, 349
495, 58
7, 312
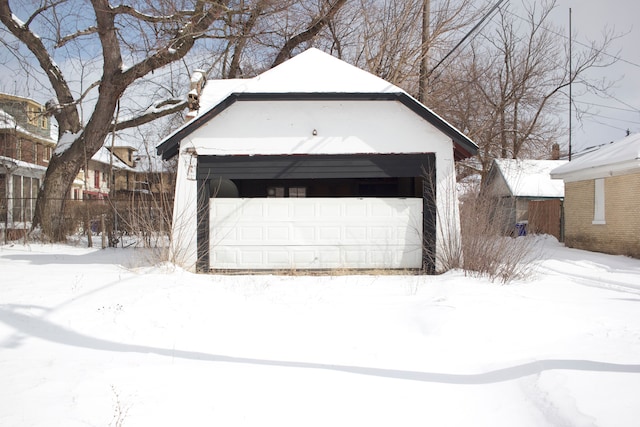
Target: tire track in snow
586, 279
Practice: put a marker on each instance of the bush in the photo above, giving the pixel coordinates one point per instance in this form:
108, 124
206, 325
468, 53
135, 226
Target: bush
487, 251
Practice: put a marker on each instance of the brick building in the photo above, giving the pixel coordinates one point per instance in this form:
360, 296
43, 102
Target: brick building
25, 149
602, 198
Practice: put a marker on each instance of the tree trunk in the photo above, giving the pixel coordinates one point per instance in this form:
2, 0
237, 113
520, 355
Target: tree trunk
424, 54
53, 195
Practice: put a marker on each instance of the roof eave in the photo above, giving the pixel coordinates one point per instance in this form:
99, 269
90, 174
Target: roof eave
593, 172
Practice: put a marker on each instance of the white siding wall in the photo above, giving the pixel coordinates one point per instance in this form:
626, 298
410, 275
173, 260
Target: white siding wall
183, 250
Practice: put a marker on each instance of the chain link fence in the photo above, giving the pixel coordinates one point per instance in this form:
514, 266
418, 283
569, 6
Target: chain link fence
148, 217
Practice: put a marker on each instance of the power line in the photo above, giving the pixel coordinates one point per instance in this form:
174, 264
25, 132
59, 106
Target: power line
466, 36
631, 110
612, 118
610, 126
623, 103
565, 37
616, 57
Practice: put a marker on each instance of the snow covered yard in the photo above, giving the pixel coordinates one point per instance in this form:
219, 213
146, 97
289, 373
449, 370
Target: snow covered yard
93, 337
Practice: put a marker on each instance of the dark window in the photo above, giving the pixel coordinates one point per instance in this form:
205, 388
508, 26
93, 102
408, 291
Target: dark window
275, 192
297, 192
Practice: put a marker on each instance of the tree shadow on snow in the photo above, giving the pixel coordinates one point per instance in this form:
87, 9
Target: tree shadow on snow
99, 256
39, 328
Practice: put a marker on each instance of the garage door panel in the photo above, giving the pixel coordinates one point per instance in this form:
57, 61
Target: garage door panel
315, 233
356, 211
249, 256
330, 211
304, 210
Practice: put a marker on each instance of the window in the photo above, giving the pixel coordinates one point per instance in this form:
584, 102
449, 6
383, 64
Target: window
286, 192
26, 198
3, 198
35, 188
32, 115
275, 192
17, 198
297, 192
598, 205
96, 179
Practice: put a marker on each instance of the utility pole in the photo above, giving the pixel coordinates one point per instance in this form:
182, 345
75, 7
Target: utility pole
570, 83
424, 51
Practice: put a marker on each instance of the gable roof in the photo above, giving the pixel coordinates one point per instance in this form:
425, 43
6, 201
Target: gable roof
619, 157
530, 178
9, 123
104, 156
311, 75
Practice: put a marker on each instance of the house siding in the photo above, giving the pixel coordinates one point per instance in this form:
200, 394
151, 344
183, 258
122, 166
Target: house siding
620, 235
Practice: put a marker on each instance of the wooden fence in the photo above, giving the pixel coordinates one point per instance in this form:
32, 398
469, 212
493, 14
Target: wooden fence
545, 217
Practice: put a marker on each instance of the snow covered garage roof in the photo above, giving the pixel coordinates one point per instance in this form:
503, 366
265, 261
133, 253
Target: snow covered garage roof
530, 178
619, 157
311, 75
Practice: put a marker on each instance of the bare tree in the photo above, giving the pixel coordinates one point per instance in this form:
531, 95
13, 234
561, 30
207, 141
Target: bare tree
132, 41
509, 86
502, 88
399, 40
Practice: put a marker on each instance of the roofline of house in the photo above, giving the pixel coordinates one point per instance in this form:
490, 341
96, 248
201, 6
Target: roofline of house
19, 98
603, 171
120, 145
19, 130
496, 169
463, 146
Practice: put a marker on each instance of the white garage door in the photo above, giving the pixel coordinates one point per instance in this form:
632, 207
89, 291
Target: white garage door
315, 233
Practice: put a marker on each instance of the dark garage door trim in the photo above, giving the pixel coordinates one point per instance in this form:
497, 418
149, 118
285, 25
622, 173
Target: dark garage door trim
319, 167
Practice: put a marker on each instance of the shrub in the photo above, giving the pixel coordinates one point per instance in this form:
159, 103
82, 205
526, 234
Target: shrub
489, 251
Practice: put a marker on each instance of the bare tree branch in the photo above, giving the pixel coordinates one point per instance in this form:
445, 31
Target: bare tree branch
66, 39
131, 11
242, 39
160, 109
67, 118
316, 26
180, 44
41, 9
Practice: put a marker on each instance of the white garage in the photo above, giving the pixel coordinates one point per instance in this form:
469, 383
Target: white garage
313, 164
316, 233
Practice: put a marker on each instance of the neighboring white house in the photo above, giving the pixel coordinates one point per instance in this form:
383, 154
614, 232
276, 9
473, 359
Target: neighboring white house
314, 164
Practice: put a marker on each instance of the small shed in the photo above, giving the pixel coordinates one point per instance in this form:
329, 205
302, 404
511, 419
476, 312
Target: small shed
515, 184
314, 164
602, 198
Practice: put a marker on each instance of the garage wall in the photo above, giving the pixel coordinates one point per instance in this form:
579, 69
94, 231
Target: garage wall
316, 233
318, 127
342, 128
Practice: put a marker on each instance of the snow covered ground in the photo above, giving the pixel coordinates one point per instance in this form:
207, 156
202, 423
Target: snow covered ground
93, 337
